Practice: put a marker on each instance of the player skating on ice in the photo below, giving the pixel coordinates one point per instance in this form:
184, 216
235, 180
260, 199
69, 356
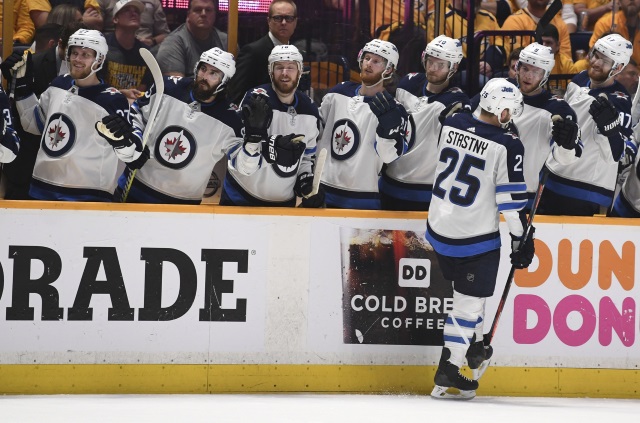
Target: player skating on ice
268, 111
406, 183
74, 162
478, 176
364, 128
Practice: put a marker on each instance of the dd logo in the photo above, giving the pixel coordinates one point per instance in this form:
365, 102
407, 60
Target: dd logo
414, 273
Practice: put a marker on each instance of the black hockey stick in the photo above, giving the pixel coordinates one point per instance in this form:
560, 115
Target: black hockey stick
488, 337
546, 19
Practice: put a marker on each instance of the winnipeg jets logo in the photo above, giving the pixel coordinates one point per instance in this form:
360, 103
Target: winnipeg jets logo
260, 91
345, 139
620, 94
111, 90
175, 147
59, 135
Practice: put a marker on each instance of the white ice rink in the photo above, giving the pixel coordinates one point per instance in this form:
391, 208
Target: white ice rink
310, 408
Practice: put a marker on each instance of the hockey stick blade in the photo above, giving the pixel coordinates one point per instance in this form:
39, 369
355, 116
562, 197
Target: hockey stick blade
546, 19
317, 173
158, 81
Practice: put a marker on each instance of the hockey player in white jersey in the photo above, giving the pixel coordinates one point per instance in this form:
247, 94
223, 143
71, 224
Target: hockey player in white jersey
406, 183
364, 128
285, 169
74, 162
9, 141
547, 125
195, 127
603, 108
479, 175
627, 203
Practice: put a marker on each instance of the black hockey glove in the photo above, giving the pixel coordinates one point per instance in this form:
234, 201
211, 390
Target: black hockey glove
522, 252
21, 67
284, 150
565, 132
256, 116
304, 187
305, 79
141, 160
605, 115
392, 120
117, 131
453, 108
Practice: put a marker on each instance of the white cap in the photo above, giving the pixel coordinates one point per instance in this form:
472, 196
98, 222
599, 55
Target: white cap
122, 3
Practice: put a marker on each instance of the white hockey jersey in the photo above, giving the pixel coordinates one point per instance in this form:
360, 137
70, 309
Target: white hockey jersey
357, 153
479, 173
593, 177
272, 184
74, 162
187, 140
410, 177
9, 142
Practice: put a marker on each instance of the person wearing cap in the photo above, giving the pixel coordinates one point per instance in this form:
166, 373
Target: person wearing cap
74, 163
194, 129
153, 22
624, 22
125, 68
253, 57
268, 111
406, 183
603, 108
365, 127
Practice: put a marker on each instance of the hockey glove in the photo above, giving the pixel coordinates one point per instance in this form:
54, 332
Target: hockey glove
141, 160
305, 79
392, 120
284, 150
256, 116
21, 67
605, 115
452, 109
304, 187
117, 131
630, 152
522, 252
565, 132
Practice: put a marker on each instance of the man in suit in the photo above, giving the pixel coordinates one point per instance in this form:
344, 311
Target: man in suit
252, 63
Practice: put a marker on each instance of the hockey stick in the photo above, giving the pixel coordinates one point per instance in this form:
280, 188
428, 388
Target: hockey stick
317, 173
488, 337
158, 81
546, 19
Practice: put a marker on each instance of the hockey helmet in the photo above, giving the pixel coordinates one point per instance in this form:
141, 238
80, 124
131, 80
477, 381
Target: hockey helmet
445, 48
89, 38
222, 61
616, 48
499, 94
540, 56
384, 49
285, 53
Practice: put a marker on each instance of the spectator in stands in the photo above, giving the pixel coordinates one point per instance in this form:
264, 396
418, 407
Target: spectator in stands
47, 36
251, 70
501, 9
64, 14
23, 29
629, 79
603, 109
595, 10
455, 26
513, 61
527, 20
39, 11
568, 13
386, 13
153, 22
124, 68
181, 50
625, 23
551, 39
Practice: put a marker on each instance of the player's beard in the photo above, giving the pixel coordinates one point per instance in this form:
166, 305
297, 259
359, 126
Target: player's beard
79, 73
202, 91
597, 75
370, 79
285, 87
436, 79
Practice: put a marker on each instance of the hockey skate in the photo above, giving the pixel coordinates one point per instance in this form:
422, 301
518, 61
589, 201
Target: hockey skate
479, 358
448, 376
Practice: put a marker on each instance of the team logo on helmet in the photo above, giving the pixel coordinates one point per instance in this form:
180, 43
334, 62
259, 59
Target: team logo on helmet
260, 91
59, 135
345, 140
175, 147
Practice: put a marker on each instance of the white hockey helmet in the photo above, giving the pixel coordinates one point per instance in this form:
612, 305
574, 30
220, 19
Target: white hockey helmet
89, 38
499, 94
222, 61
384, 49
285, 53
445, 48
539, 56
616, 48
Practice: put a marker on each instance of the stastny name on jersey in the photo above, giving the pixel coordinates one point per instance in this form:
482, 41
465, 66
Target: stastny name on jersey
466, 141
